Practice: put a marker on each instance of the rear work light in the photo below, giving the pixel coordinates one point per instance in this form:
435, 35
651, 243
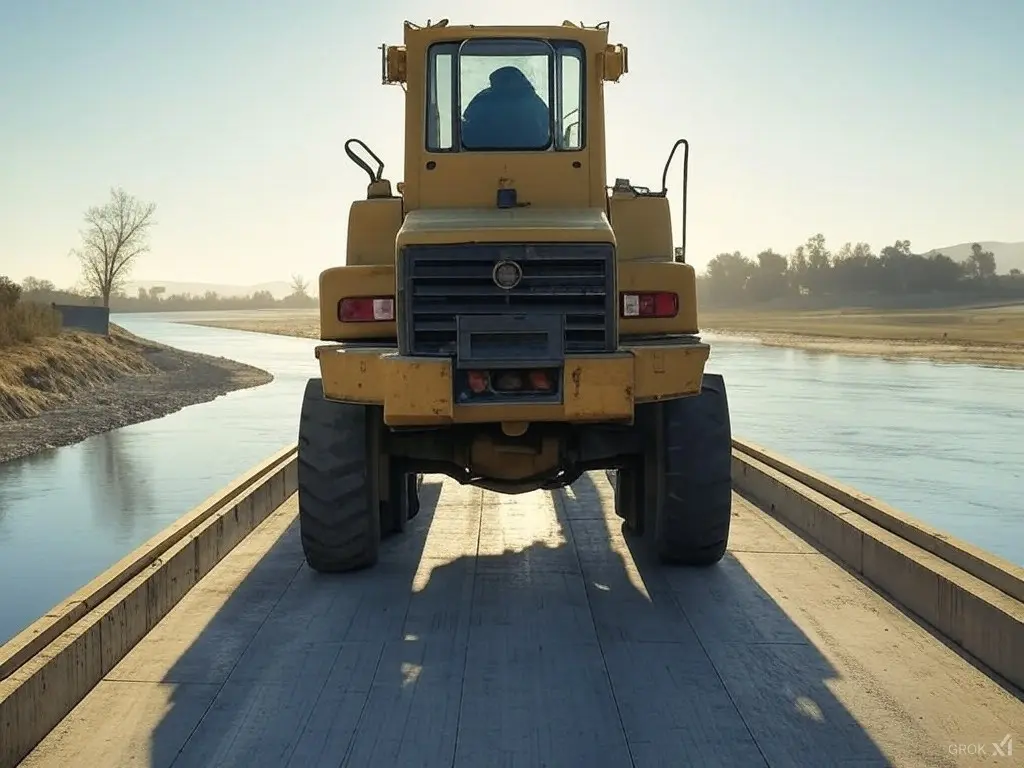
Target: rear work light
367, 309
656, 304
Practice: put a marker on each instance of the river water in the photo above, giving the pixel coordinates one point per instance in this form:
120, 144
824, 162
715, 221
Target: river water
944, 443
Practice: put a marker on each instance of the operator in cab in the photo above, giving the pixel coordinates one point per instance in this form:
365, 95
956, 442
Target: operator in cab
507, 115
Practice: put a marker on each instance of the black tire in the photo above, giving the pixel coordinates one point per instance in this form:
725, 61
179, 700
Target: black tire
339, 518
414, 482
629, 498
693, 514
403, 505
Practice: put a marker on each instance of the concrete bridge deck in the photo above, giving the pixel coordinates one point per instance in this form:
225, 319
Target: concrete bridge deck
526, 631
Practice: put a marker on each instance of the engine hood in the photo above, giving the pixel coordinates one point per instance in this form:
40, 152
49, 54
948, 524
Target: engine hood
441, 226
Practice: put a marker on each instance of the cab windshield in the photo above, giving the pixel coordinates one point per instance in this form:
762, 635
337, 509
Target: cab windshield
502, 95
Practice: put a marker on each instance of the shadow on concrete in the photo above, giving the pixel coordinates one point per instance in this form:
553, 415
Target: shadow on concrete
556, 646
936, 634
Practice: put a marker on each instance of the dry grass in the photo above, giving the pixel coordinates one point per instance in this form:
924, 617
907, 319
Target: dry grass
985, 326
304, 323
47, 372
26, 321
986, 335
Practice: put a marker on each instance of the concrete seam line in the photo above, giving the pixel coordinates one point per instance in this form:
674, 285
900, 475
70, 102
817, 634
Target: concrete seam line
46, 688
990, 568
44, 630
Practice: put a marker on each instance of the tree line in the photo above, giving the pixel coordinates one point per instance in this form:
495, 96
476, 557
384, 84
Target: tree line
116, 235
854, 269
114, 238
156, 299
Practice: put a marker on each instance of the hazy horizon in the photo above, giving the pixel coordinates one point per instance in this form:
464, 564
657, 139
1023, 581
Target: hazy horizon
867, 122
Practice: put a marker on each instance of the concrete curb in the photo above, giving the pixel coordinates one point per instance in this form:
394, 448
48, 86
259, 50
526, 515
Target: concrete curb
991, 569
978, 613
50, 667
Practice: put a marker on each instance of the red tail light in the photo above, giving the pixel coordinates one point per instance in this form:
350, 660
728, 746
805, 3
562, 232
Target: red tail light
540, 380
367, 309
655, 304
478, 381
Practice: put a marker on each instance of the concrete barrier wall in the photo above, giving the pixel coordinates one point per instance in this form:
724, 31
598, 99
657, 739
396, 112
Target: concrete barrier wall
50, 667
89, 319
971, 611
974, 560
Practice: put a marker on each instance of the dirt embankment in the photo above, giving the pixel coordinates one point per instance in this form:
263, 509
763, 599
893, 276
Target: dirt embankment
59, 390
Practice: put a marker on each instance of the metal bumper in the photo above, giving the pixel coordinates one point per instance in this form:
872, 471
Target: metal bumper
418, 391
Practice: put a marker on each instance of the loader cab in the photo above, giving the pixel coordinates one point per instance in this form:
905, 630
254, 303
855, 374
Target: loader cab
504, 108
505, 95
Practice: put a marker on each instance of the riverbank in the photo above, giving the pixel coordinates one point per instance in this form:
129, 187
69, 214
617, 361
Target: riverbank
991, 336
60, 390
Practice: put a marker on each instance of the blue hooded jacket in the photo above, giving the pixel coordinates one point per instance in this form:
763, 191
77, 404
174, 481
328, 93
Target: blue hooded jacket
507, 115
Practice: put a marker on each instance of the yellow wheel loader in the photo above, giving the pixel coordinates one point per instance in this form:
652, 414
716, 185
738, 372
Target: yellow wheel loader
504, 317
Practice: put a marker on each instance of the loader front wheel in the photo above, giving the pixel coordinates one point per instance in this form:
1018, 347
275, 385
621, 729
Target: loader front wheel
415, 482
339, 518
629, 498
692, 517
404, 503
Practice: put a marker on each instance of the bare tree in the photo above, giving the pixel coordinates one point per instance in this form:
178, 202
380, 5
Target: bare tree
114, 237
299, 286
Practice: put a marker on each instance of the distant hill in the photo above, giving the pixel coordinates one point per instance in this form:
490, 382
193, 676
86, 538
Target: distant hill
1008, 255
278, 289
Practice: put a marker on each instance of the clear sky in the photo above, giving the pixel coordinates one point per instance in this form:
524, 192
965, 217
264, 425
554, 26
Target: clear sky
863, 120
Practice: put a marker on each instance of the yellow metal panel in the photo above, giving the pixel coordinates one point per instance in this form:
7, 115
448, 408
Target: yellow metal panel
542, 179
417, 390
592, 37
668, 371
394, 64
615, 62
442, 226
643, 227
372, 227
598, 387
651, 276
512, 463
352, 377
338, 283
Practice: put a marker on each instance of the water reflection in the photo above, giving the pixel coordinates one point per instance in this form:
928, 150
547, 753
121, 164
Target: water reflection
11, 479
941, 442
81, 508
117, 483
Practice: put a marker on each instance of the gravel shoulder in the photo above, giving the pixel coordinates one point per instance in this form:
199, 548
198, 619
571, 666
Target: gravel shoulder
66, 389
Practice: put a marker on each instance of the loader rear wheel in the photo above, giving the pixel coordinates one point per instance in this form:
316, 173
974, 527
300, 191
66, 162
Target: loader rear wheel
693, 513
339, 518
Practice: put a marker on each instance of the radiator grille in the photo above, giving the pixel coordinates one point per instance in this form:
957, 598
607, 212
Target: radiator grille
437, 284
